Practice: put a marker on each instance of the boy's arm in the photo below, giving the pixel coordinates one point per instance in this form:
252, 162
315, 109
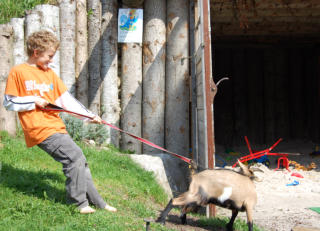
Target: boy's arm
68, 102
25, 103
15, 103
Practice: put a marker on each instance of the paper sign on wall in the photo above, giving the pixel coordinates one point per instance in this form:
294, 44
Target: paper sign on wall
130, 25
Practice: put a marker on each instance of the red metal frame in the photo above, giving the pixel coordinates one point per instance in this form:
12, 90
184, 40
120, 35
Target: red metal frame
255, 155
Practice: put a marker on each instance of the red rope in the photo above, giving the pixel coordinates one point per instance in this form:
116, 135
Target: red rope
52, 107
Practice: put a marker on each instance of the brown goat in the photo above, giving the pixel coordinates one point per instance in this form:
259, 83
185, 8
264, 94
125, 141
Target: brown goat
222, 187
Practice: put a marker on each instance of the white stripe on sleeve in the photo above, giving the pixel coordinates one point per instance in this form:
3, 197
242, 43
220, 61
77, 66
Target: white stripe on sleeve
19, 104
68, 102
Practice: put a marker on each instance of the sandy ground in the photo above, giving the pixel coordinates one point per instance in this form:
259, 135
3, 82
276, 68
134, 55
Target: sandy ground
280, 207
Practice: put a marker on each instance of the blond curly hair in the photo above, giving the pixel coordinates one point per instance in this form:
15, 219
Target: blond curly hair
41, 40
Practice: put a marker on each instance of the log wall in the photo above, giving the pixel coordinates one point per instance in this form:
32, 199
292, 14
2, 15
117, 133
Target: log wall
109, 80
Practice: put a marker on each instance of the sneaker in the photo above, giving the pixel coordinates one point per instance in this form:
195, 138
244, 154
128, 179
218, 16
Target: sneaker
110, 208
87, 210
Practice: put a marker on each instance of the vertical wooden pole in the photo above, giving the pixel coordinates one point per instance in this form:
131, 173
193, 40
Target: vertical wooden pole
94, 62
131, 94
7, 118
18, 40
177, 78
154, 57
81, 68
67, 44
110, 106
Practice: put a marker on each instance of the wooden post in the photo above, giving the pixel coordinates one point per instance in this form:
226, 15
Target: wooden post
110, 106
94, 62
131, 94
177, 78
154, 57
18, 40
7, 118
81, 65
67, 44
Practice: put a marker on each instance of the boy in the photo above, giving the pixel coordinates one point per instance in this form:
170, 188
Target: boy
33, 85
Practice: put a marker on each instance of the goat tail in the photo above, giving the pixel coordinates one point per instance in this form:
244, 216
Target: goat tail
181, 200
198, 197
185, 199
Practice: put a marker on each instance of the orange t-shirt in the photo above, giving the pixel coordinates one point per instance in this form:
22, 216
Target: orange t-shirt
26, 80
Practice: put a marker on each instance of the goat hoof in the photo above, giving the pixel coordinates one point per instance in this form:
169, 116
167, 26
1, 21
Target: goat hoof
184, 221
161, 221
229, 227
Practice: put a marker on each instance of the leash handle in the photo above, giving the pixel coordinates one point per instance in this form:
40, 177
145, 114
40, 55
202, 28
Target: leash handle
52, 107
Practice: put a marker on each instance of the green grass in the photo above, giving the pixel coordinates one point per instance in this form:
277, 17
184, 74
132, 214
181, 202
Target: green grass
16, 8
32, 193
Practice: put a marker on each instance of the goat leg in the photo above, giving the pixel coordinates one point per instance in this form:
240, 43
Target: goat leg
233, 217
162, 218
183, 217
249, 210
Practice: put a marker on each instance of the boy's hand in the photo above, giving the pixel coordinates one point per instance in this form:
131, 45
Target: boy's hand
40, 102
96, 120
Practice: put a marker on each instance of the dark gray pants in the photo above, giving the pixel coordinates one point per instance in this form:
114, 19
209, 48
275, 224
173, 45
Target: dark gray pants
79, 185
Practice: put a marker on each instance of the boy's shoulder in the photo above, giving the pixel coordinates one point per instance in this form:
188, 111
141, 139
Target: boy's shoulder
19, 67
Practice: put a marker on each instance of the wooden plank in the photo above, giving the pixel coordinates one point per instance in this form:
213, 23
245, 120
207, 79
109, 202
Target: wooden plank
266, 28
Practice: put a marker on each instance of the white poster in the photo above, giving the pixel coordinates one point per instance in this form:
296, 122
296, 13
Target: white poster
130, 25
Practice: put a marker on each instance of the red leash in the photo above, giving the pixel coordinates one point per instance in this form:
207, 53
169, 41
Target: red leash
52, 107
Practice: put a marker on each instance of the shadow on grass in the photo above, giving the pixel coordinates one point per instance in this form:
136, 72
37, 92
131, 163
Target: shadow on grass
217, 225
33, 183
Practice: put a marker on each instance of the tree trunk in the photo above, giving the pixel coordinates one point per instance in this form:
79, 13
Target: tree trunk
67, 43
49, 20
7, 118
154, 56
32, 21
81, 67
110, 108
94, 46
177, 77
131, 95
132, 3
18, 44
18, 40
